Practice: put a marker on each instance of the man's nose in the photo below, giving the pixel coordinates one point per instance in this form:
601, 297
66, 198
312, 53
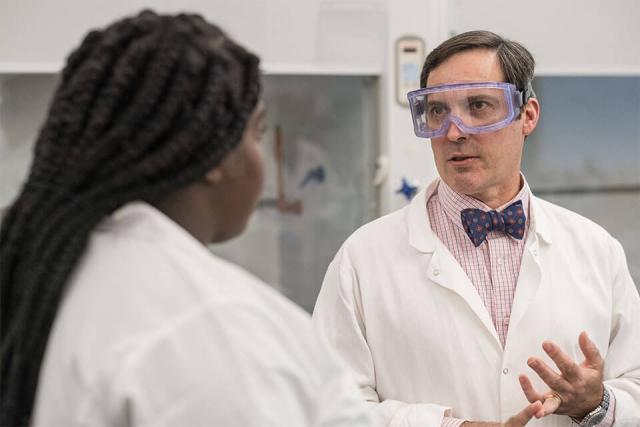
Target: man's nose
454, 133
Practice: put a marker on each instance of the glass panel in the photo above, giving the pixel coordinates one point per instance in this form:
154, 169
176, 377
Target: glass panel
588, 135
24, 100
327, 148
326, 129
585, 153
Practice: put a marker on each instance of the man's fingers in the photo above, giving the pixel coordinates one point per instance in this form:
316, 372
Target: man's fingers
523, 417
590, 351
530, 393
551, 378
570, 370
549, 406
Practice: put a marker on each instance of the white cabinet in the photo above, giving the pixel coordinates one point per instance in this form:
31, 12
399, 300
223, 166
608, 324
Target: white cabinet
37, 35
569, 37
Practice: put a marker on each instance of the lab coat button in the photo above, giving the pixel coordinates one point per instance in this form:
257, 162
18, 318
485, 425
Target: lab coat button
436, 271
505, 371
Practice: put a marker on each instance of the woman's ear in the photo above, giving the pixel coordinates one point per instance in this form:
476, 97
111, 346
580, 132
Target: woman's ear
531, 115
214, 176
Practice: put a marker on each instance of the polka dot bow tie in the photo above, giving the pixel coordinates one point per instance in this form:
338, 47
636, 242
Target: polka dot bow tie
477, 223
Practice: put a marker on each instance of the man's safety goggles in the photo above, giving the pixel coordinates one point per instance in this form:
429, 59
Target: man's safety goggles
473, 107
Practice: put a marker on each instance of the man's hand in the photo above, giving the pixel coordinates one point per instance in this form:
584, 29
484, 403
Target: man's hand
576, 390
519, 420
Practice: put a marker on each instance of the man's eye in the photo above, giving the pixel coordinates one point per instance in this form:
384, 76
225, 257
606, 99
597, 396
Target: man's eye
436, 110
479, 105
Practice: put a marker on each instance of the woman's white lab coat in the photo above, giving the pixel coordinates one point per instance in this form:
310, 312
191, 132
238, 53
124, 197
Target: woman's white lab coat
402, 312
155, 331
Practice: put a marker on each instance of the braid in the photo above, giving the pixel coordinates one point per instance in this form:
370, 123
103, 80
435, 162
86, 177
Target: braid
144, 107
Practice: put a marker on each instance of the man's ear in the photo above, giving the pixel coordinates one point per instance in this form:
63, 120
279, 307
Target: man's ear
531, 114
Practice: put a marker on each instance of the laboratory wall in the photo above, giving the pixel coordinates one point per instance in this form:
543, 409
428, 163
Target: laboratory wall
339, 143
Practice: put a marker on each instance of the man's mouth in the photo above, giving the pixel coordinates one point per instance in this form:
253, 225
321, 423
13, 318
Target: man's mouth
461, 158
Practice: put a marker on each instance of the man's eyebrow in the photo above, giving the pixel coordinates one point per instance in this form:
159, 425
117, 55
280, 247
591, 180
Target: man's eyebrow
480, 97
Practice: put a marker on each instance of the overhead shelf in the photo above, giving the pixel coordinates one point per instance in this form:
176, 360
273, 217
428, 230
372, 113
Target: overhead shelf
8, 68
30, 67
277, 68
588, 70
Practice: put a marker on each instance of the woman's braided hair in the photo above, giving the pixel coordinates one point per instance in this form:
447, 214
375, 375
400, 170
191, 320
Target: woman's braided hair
144, 107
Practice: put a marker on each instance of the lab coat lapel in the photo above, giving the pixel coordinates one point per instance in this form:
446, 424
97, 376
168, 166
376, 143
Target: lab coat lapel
530, 276
443, 269
528, 283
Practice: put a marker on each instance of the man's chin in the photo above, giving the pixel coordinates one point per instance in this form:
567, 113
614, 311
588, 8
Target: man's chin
464, 182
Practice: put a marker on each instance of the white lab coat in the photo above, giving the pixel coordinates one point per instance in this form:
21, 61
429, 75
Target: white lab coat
405, 316
155, 331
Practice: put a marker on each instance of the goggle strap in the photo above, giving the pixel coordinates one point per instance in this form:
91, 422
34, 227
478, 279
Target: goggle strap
527, 93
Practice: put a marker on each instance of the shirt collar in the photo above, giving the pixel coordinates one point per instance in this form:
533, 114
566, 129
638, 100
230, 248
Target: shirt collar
453, 202
421, 235
539, 223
